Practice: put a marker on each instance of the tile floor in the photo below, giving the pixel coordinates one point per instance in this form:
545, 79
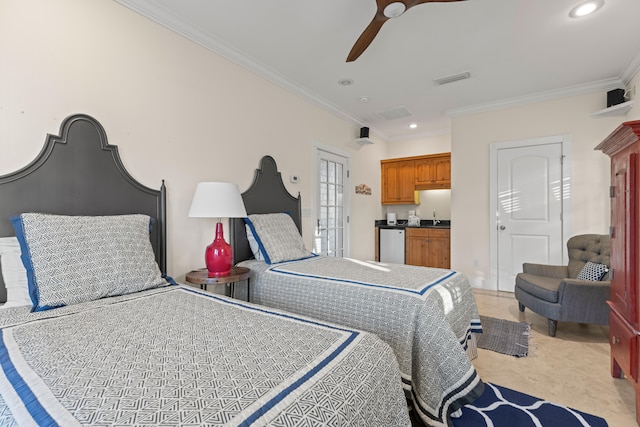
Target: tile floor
571, 369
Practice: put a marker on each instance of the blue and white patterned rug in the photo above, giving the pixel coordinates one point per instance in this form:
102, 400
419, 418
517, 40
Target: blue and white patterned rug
503, 407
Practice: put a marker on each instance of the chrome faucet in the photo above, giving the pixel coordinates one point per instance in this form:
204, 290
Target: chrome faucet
435, 220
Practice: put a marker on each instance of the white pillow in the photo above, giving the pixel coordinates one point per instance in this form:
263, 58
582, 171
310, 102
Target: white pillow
14, 274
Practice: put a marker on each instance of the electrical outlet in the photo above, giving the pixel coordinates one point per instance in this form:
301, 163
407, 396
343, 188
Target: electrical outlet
476, 263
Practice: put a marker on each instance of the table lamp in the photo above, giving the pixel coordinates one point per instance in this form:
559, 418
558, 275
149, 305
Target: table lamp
217, 200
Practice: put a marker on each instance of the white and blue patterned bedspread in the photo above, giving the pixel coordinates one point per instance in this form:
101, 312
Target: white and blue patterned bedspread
427, 315
178, 356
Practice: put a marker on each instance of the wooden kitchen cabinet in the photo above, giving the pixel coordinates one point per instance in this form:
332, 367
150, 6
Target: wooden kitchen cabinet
398, 182
623, 146
428, 247
402, 178
433, 172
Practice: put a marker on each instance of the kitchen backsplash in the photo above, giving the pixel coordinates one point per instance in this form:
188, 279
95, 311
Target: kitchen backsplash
430, 200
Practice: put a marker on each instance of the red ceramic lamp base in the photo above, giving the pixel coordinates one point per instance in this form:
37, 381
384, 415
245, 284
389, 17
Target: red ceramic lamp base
218, 256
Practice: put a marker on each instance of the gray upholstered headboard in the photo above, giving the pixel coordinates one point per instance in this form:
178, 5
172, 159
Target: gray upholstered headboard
79, 173
267, 194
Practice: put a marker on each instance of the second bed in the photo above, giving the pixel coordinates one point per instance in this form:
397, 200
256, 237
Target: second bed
427, 315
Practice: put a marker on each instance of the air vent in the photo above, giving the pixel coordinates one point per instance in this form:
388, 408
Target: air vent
395, 113
452, 78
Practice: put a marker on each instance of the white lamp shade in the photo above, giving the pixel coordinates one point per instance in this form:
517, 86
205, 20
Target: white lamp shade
217, 200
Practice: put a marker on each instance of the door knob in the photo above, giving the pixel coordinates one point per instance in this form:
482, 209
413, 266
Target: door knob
502, 227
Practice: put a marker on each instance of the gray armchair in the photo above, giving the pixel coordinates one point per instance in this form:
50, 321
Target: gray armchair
555, 292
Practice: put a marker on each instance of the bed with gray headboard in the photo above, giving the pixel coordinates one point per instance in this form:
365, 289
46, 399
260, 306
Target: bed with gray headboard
79, 173
107, 338
422, 313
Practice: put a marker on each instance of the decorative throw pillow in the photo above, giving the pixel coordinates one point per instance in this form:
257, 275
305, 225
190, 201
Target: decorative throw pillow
253, 244
13, 273
593, 271
74, 259
278, 237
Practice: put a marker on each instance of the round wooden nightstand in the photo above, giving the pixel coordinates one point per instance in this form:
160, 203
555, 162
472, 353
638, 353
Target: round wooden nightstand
237, 274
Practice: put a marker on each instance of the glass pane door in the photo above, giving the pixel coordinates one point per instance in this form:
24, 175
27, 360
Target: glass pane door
331, 217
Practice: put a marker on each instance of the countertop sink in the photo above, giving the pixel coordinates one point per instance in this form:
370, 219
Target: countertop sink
423, 224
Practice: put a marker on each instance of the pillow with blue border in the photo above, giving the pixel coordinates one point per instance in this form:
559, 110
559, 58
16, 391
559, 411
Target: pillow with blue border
277, 237
75, 259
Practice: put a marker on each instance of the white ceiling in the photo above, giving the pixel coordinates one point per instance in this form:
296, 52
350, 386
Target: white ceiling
517, 51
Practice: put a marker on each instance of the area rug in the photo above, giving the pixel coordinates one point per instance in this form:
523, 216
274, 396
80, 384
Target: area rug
502, 407
504, 336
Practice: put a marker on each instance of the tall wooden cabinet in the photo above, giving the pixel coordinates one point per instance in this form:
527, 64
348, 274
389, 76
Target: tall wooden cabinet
623, 146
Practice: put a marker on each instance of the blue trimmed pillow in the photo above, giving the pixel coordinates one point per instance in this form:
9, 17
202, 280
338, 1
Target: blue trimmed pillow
14, 275
277, 237
592, 271
75, 259
253, 244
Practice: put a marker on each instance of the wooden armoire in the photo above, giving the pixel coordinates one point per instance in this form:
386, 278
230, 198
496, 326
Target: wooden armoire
623, 146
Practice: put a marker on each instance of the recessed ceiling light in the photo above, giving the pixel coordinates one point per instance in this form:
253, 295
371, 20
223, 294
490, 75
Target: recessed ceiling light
586, 8
345, 82
413, 125
364, 99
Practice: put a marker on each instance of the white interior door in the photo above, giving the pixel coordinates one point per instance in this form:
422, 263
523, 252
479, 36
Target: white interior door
531, 191
331, 216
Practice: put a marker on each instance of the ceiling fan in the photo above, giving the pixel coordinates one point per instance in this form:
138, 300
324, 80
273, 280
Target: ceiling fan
387, 9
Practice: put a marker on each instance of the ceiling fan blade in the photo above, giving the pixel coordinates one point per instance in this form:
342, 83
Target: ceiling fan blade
366, 37
380, 18
411, 3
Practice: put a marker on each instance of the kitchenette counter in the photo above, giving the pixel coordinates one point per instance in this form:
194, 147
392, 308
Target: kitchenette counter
424, 223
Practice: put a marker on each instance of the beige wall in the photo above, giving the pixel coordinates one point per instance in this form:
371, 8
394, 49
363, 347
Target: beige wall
176, 111
181, 113
471, 137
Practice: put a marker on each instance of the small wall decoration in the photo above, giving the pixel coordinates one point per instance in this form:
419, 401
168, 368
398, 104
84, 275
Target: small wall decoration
363, 189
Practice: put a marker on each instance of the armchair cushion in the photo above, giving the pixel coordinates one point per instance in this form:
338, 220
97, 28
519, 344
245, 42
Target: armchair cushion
556, 271
593, 271
542, 287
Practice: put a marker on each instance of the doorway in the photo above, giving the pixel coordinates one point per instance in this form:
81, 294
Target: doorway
331, 210
530, 193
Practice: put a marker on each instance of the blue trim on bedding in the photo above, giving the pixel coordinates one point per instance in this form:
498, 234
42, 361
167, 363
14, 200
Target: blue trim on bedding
25, 256
169, 279
476, 326
298, 383
261, 309
265, 255
40, 415
371, 285
280, 396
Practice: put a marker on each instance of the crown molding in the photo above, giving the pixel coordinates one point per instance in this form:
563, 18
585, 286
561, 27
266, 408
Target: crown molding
165, 18
598, 86
631, 70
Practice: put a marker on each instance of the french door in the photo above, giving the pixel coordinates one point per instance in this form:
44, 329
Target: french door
331, 213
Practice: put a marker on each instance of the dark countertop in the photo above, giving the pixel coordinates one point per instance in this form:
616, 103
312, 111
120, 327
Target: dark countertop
424, 223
